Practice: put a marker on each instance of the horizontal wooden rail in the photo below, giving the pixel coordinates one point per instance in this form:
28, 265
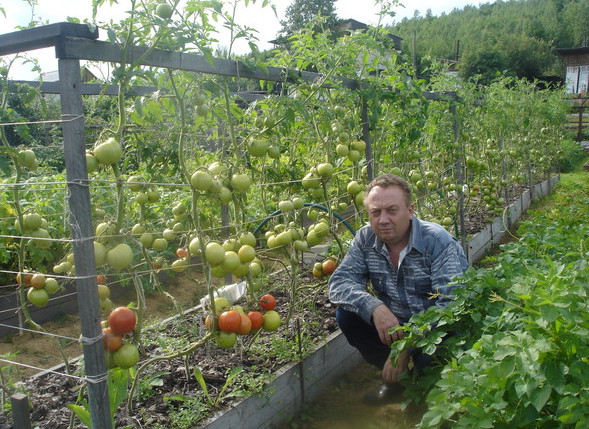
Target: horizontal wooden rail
43, 37
78, 41
86, 88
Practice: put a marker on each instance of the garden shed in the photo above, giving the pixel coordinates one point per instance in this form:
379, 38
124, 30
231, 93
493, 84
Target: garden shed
577, 69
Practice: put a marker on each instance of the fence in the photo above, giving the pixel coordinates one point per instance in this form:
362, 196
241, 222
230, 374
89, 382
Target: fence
578, 120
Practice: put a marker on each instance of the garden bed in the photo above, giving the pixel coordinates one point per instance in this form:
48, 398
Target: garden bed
306, 355
313, 335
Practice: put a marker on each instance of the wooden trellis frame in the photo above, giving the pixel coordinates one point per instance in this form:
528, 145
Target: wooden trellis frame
75, 42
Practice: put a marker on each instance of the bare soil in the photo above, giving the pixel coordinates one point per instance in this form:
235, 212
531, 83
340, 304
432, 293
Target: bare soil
41, 352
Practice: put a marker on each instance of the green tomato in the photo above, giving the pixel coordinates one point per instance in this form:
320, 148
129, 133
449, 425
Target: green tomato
159, 244
109, 152
164, 11
126, 356
120, 256
285, 206
38, 297
247, 238
39, 234
272, 320
240, 182
214, 253
258, 147
226, 340
246, 253
201, 180
99, 254
51, 285
325, 170
32, 221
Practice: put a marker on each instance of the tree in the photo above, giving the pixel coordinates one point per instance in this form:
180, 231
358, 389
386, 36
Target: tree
527, 56
485, 65
301, 12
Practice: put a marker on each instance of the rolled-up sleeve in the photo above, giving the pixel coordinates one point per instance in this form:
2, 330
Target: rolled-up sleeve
348, 284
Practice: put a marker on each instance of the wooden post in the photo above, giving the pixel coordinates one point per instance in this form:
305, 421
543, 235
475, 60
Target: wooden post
459, 178
580, 125
83, 241
366, 136
21, 414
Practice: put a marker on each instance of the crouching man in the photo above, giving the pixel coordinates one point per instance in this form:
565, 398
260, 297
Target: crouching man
405, 260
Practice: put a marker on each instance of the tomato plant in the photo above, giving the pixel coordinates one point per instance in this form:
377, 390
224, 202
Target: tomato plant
169, 190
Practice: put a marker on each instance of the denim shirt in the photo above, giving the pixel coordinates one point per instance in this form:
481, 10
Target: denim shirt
432, 258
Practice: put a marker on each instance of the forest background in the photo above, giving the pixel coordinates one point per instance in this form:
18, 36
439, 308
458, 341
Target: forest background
514, 38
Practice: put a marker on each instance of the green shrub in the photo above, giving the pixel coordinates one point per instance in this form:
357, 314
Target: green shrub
572, 155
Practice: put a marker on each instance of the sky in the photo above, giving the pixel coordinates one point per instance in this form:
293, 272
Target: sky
263, 19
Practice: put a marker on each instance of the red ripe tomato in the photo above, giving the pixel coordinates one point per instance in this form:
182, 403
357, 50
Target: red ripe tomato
329, 266
245, 326
229, 321
122, 320
267, 302
100, 279
110, 340
181, 252
257, 319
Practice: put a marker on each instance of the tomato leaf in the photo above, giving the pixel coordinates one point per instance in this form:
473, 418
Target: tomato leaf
82, 413
118, 381
201, 381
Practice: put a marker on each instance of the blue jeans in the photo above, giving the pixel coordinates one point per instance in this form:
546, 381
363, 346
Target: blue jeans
364, 337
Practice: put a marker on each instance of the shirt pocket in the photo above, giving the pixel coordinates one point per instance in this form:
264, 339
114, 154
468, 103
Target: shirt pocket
423, 287
378, 281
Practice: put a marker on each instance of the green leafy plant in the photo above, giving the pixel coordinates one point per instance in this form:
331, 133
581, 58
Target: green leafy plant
118, 384
517, 354
214, 401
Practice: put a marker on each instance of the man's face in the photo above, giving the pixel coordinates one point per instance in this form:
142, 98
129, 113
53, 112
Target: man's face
389, 214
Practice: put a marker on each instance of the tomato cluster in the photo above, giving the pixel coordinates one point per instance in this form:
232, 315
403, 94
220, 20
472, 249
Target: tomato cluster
119, 325
325, 268
39, 287
233, 320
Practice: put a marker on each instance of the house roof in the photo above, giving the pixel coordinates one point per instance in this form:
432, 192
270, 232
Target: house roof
572, 51
353, 25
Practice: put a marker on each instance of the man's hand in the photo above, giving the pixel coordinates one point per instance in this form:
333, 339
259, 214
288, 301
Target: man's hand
384, 319
390, 373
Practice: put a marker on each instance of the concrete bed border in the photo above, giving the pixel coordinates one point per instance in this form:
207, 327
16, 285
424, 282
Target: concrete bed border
301, 382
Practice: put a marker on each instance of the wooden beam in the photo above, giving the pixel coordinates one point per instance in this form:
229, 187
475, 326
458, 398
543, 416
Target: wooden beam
86, 88
95, 50
43, 37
